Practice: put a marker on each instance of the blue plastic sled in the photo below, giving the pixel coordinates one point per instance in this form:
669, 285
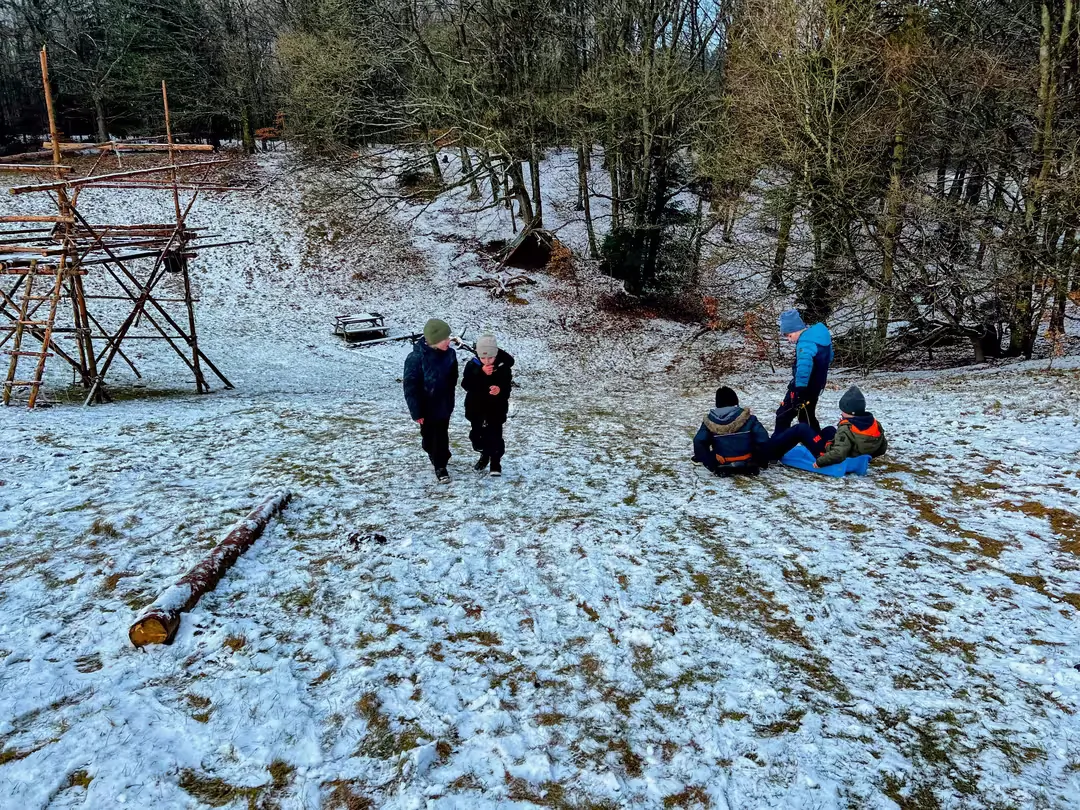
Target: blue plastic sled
803, 459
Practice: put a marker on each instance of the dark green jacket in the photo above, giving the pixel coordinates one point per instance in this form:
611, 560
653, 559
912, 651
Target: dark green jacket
857, 436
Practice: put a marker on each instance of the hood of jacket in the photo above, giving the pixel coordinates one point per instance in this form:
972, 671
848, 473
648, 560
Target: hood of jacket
501, 359
864, 424
818, 334
722, 421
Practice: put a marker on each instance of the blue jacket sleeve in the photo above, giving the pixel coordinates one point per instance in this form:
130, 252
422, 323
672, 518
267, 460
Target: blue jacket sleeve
805, 350
703, 451
413, 382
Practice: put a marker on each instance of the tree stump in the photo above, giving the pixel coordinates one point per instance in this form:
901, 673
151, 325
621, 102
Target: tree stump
159, 621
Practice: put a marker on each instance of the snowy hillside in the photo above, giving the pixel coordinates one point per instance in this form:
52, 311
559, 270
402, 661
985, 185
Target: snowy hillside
601, 628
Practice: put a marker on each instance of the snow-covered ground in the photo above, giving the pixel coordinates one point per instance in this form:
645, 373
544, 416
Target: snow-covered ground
600, 628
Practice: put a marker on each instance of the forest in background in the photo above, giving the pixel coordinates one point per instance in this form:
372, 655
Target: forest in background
915, 162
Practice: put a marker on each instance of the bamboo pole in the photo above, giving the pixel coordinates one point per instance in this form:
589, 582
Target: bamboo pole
54, 133
31, 168
31, 218
201, 386
64, 209
84, 181
159, 621
163, 186
169, 139
20, 325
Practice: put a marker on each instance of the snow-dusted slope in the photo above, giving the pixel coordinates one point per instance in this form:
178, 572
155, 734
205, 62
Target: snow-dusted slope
601, 628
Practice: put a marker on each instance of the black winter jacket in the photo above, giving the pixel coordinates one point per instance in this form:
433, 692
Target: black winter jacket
479, 404
429, 381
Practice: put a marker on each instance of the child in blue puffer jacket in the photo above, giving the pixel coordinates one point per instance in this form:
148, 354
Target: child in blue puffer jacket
731, 439
809, 372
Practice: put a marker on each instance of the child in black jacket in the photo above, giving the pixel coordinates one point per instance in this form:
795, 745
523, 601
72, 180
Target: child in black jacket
731, 439
430, 379
487, 380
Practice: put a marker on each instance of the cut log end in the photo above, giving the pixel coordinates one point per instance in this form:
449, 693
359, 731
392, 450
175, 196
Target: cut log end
152, 629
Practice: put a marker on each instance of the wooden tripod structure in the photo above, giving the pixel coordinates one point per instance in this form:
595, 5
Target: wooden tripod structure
49, 256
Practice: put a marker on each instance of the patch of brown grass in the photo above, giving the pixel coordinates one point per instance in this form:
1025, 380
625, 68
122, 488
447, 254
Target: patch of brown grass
926, 507
693, 796
102, 528
550, 718
1066, 525
631, 762
113, 579
342, 797
79, 779
216, 792
788, 724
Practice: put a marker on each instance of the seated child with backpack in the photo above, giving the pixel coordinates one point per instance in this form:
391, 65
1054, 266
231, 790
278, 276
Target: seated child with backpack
731, 440
857, 434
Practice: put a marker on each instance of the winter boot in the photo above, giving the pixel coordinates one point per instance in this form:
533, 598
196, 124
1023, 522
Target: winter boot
442, 476
496, 466
482, 463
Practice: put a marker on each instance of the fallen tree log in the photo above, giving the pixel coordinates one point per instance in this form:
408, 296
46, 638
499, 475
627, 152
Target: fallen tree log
159, 621
43, 154
498, 286
121, 146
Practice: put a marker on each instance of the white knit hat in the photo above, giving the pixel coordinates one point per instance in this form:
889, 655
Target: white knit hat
486, 346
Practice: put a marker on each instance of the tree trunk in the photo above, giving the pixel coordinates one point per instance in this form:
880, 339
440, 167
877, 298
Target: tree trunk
616, 208
730, 212
467, 169
696, 239
433, 157
102, 123
1070, 253
996, 202
247, 135
582, 179
518, 189
157, 623
654, 222
508, 197
893, 224
783, 239
958, 181
492, 177
1023, 324
583, 192
534, 176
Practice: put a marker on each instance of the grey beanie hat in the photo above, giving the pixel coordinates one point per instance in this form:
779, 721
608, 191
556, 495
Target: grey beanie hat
853, 401
436, 331
486, 346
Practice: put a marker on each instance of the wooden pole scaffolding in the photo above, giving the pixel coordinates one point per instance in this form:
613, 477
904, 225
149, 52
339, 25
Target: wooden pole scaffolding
104, 178
201, 386
159, 621
64, 230
65, 251
141, 300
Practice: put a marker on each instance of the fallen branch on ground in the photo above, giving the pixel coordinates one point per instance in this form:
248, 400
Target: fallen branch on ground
498, 285
158, 622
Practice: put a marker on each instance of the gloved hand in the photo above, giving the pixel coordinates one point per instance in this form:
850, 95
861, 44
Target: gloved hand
802, 395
